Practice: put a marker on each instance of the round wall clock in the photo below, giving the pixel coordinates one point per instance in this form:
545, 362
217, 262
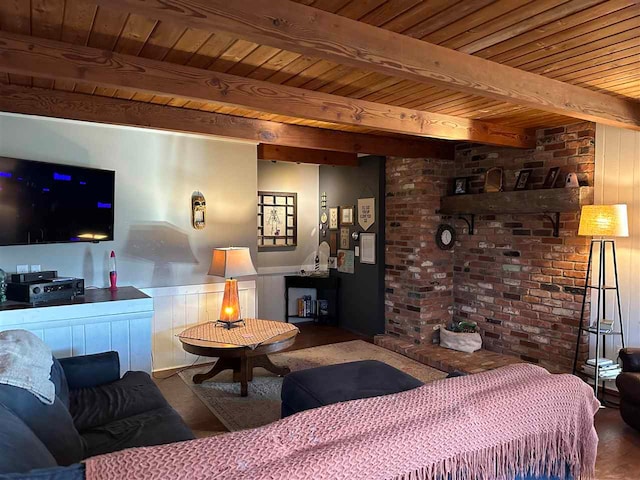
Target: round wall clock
445, 237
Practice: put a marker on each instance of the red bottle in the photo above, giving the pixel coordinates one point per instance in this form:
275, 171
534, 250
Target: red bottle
113, 272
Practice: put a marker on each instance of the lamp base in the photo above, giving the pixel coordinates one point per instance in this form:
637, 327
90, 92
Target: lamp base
229, 324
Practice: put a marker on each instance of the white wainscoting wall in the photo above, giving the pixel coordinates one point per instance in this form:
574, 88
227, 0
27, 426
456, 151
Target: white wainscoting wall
617, 180
181, 307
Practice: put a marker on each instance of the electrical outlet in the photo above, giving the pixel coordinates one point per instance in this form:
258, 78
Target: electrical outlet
22, 268
36, 268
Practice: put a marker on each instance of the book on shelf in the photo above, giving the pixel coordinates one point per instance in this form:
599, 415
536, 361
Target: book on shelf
306, 306
601, 361
607, 371
603, 368
610, 373
606, 326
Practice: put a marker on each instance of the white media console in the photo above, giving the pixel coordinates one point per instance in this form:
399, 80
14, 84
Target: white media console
99, 321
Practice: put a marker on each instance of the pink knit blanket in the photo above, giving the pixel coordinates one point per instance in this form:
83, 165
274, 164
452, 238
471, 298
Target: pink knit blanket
487, 426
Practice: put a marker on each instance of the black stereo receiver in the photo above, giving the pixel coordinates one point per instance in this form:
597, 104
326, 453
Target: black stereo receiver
45, 290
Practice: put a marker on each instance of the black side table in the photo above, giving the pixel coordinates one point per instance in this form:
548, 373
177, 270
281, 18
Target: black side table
327, 288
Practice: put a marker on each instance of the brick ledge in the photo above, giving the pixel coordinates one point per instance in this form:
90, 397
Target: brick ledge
445, 359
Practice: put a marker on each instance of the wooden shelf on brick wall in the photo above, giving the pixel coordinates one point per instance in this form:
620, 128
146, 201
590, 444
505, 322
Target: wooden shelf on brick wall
544, 201
549, 200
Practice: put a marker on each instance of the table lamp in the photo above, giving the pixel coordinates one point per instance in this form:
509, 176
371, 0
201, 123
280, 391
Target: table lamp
231, 263
605, 222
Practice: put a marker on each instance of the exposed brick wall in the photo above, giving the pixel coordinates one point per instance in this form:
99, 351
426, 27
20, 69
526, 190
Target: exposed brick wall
521, 284
418, 275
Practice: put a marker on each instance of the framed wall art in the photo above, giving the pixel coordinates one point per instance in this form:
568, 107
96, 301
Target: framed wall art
345, 261
344, 238
333, 218
333, 242
368, 248
277, 219
347, 215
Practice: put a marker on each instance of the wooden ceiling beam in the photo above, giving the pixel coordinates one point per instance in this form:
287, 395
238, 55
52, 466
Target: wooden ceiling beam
50, 59
305, 30
93, 108
306, 155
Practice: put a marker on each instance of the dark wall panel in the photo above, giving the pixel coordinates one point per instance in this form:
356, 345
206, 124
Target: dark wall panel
361, 293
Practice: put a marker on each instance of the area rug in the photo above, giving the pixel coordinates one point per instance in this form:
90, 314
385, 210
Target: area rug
262, 406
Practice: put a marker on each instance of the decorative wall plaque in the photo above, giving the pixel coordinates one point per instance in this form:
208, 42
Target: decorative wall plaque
366, 212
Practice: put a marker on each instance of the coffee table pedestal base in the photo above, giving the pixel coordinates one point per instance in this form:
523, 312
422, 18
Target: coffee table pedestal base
242, 370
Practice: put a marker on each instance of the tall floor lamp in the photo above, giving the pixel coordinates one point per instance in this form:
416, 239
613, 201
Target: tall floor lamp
604, 222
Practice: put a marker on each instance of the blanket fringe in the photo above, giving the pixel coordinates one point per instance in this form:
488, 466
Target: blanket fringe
541, 455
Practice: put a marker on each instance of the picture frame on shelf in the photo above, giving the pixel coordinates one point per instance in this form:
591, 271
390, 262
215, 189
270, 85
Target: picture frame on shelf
347, 215
523, 179
368, 248
461, 186
333, 218
551, 178
333, 262
493, 180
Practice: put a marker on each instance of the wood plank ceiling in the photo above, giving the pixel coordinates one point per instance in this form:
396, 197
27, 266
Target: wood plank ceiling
594, 44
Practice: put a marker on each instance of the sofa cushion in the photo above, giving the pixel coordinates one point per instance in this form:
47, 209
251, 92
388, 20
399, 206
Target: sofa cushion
320, 386
135, 393
87, 371
60, 381
20, 449
155, 427
52, 424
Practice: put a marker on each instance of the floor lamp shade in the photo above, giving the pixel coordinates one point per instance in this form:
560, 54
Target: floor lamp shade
604, 221
231, 263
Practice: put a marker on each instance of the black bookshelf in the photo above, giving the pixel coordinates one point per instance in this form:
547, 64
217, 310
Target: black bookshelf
327, 288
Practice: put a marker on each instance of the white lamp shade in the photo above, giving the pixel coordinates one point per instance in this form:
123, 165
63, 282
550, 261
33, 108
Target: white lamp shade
604, 221
231, 262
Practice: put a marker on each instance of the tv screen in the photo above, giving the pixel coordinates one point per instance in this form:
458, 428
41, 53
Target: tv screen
51, 203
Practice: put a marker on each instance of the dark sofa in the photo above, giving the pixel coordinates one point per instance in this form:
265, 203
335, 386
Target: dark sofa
628, 383
95, 412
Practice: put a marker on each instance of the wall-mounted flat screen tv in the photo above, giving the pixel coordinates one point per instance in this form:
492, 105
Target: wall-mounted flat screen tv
44, 202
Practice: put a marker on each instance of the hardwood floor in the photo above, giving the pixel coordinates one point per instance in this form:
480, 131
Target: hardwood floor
618, 449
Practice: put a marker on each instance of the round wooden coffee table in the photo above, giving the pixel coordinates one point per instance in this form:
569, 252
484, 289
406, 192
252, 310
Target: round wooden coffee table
242, 360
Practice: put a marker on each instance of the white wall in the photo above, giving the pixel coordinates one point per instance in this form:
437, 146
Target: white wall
156, 173
617, 180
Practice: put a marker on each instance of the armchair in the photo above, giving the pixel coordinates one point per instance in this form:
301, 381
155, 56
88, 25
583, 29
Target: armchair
628, 383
